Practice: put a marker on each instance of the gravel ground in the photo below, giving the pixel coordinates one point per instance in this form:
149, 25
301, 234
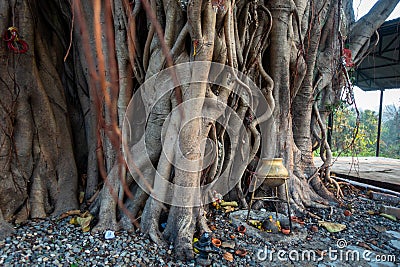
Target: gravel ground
366, 240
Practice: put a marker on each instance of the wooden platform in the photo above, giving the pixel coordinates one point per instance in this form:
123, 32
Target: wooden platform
382, 172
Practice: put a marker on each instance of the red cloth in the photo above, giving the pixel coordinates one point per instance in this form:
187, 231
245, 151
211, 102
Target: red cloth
347, 57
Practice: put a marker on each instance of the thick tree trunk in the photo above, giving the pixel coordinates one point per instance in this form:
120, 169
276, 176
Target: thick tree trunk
38, 170
5, 228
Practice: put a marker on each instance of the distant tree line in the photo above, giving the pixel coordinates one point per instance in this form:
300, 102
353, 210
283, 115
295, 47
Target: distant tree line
355, 133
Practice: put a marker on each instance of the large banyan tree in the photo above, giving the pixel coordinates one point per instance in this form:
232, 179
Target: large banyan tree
69, 70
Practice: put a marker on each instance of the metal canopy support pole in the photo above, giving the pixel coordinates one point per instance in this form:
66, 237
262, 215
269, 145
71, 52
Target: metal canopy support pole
378, 138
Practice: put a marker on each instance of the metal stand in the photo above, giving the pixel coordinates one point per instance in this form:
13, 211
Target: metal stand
274, 198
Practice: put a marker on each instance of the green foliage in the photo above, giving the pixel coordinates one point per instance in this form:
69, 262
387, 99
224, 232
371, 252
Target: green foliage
347, 141
346, 138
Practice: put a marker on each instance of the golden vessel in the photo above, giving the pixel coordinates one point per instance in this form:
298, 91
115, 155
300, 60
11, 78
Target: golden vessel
273, 172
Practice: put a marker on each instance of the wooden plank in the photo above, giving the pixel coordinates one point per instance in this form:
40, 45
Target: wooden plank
373, 170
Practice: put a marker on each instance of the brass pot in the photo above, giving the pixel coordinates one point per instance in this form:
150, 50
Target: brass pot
273, 172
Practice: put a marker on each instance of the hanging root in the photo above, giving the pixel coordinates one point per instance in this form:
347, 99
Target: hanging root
202, 221
327, 156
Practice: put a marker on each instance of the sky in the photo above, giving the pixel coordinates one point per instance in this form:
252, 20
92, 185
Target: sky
361, 7
370, 100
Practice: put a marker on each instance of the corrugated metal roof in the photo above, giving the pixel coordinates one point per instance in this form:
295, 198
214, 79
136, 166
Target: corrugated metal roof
380, 70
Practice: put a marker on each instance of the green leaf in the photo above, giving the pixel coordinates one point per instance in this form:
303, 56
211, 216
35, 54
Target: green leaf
388, 216
84, 222
332, 227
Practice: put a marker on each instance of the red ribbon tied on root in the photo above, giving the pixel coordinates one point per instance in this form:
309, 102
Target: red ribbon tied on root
14, 43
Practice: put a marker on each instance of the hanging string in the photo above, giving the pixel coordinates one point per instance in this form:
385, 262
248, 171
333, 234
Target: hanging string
13, 12
11, 36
